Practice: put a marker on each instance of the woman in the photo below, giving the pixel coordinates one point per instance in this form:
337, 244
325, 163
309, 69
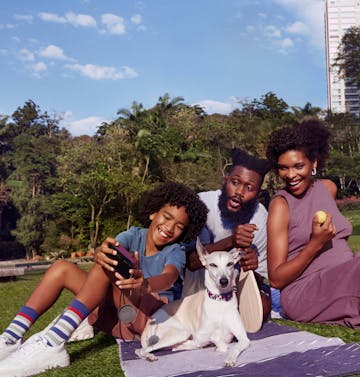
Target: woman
311, 263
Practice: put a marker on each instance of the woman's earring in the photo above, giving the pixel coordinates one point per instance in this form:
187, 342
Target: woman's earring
313, 171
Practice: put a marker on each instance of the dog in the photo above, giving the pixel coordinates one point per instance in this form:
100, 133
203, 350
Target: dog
209, 316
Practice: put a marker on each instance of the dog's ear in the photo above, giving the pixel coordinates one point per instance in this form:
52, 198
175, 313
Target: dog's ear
202, 252
236, 254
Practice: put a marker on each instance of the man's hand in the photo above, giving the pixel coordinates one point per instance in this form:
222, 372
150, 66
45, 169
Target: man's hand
249, 261
244, 235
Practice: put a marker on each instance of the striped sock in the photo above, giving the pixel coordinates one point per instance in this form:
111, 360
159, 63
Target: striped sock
20, 324
69, 320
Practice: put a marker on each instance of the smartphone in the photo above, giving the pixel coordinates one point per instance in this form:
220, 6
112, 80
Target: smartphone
125, 260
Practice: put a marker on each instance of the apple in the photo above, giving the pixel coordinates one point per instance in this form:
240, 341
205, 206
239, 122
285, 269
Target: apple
321, 216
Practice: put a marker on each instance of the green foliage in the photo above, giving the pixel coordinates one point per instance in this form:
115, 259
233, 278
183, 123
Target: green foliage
83, 189
348, 58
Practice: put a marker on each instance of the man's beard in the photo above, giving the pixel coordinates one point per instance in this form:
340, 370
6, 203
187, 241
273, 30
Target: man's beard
242, 216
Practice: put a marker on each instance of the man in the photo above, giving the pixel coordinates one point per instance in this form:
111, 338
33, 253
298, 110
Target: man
236, 219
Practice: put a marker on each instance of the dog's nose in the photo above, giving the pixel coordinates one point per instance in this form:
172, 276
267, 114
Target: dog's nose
224, 281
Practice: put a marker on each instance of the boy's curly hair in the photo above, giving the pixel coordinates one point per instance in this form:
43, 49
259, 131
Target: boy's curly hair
310, 136
179, 195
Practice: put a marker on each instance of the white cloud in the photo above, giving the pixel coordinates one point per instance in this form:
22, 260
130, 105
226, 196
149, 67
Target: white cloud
24, 17
96, 72
80, 19
39, 67
272, 31
298, 27
52, 17
311, 14
287, 43
114, 24
7, 26
26, 55
72, 18
86, 126
136, 19
53, 52
211, 106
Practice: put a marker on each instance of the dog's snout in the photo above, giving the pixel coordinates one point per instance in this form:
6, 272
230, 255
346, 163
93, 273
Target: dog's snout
224, 281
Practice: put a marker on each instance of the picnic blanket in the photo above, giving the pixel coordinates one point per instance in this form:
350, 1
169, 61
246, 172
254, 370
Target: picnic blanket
275, 350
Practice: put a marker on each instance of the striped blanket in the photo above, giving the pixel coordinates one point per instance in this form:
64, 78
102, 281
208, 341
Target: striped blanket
275, 350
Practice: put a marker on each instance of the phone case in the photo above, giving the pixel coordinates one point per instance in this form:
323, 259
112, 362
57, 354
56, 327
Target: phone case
125, 260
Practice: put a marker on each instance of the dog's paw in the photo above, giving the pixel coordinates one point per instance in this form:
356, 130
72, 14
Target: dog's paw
145, 355
229, 363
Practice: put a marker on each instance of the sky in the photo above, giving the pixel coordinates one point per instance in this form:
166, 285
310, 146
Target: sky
84, 60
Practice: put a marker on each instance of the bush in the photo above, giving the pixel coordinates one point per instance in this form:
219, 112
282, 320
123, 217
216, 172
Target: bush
11, 250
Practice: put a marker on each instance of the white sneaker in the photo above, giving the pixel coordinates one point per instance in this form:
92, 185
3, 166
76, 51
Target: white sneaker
33, 357
83, 331
7, 347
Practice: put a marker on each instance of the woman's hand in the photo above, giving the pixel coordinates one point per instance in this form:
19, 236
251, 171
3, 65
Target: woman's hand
249, 261
323, 233
101, 252
244, 235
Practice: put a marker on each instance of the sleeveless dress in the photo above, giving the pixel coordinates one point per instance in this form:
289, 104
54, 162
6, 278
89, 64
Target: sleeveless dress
328, 291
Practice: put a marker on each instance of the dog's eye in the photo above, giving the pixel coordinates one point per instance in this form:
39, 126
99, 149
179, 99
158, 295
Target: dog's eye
213, 265
230, 264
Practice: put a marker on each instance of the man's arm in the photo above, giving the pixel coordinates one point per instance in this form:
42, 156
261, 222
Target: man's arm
192, 259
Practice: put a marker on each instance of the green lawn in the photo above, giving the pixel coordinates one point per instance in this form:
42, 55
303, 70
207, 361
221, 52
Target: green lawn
354, 217
95, 357
99, 356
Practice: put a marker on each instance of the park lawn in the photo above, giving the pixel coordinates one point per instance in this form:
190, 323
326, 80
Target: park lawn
354, 217
94, 357
99, 356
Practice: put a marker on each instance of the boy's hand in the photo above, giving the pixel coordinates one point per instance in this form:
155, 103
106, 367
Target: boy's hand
244, 235
135, 281
100, 256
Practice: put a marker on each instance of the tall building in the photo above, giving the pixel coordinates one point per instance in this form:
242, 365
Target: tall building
339, 16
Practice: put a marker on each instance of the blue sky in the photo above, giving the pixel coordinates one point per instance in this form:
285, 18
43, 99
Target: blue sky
86, 59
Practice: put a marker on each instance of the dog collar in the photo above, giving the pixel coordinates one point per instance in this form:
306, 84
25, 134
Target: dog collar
220, 296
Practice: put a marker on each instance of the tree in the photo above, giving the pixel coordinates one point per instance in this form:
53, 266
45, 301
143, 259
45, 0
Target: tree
348, 58
96, 175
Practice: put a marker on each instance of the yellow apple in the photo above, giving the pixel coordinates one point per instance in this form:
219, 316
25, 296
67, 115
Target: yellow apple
321, 216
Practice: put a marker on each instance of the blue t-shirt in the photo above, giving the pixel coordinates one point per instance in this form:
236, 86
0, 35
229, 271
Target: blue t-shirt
134, 239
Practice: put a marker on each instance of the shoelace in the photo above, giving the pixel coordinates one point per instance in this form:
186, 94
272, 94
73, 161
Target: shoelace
4, 339
27, 347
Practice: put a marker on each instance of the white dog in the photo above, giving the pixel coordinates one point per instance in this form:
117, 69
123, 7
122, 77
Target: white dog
208, 316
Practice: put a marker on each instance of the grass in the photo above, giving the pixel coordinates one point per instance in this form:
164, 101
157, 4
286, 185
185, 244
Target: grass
94, 357
354, 217
99, 356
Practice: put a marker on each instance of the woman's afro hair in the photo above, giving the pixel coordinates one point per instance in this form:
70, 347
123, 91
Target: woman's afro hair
310, 136
179, 195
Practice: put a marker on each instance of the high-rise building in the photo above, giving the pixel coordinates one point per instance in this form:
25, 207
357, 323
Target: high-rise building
339, 16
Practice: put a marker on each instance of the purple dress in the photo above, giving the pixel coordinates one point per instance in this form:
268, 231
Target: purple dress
328, 291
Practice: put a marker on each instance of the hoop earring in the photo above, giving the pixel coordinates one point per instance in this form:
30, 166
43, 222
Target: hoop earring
313, 171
